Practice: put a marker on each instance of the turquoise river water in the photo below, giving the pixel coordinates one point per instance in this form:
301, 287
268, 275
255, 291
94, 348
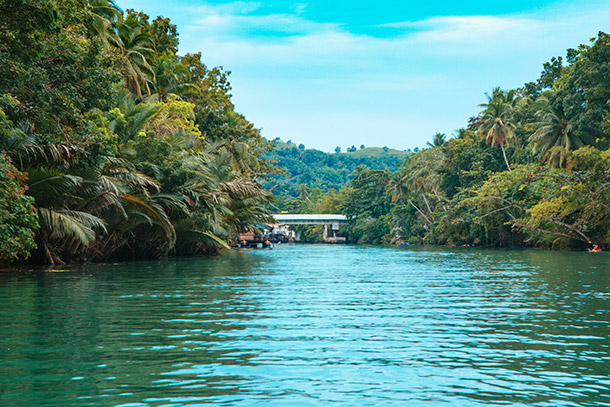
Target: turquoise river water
312, 325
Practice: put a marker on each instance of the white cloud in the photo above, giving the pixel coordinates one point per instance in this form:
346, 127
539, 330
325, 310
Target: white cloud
236, 18
299, 8
289, 72
228, 33
457, 28
230, 8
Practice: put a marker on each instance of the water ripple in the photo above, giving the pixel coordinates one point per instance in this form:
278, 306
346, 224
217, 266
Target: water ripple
313, 325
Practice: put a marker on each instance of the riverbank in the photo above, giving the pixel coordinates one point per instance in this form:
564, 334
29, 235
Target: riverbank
531, 168
115, 149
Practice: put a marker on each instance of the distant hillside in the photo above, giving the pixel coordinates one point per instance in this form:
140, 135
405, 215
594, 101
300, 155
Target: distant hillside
282, 145
379, 152
312, 168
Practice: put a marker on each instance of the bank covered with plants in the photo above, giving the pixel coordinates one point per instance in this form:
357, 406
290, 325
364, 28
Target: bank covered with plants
531, 169
113, 146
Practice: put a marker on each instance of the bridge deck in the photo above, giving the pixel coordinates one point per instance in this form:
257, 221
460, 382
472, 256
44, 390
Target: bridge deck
309, 219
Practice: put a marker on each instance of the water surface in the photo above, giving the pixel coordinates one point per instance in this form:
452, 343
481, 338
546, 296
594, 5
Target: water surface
312, 325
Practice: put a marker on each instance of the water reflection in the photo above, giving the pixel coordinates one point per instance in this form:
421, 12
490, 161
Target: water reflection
312, 325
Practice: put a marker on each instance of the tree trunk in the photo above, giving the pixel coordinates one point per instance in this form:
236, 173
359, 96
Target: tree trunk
420, 211
423, 194
581, 236
504, 154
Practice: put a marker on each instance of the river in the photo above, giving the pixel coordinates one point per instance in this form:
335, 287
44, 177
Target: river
312, 325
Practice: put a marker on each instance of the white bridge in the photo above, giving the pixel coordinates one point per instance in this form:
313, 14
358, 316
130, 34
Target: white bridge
315, 219
309, 219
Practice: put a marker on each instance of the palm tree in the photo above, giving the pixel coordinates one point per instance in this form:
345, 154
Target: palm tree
58, 193
171, 78
247, 201
496, 124
240, 156
207, 190
437, 140
57, 199
131, 118
554, 137
137, 48
104, 16
129, 36
303, 190
136, 212
399, 184
400, 187
423, 174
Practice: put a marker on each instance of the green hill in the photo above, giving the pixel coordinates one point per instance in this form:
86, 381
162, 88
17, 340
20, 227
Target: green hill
379, 152
313, 168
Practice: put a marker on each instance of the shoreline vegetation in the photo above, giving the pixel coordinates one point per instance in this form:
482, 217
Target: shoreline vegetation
532, 169
114, 147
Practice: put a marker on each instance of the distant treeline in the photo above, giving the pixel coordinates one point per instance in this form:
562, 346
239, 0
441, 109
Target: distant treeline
533, 169
303, 170
114, 146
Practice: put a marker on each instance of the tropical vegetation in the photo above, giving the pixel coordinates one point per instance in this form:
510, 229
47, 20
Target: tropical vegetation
531, 169
303, 171
114, 146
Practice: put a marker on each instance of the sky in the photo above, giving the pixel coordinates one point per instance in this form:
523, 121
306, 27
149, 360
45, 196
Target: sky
378, 73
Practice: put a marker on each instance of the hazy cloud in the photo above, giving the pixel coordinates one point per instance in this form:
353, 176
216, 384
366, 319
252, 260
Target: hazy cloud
289, 69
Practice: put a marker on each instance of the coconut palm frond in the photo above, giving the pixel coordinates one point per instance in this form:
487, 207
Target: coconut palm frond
31, 154
70, 224
154, 212
553, 135
242, 188
51, 186
193, 235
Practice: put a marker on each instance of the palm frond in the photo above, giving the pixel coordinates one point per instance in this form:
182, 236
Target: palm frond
192, 235
59, 224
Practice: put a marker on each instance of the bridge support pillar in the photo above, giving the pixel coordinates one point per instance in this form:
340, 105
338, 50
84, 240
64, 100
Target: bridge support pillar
330, 233
334, 227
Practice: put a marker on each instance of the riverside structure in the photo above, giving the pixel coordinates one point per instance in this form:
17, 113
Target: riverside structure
327, 220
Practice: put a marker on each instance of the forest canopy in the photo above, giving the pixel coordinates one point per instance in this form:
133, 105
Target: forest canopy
531, 169
113, 145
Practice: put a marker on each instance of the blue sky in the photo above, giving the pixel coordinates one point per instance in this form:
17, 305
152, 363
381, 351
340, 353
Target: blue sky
382, 73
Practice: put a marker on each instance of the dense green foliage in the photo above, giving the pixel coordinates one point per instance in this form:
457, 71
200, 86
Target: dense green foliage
305, 170
121, 148
17, 219
114, 146
533, 168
